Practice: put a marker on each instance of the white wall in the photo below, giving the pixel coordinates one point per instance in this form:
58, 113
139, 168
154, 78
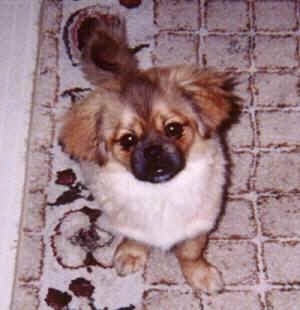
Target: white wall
18, 49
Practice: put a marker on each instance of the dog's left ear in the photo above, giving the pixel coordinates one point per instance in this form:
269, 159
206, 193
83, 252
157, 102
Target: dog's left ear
210, 94
80, 136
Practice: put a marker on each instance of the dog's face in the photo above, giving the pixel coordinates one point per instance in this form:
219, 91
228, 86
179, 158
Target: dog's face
153, 144
153, 150
149, 121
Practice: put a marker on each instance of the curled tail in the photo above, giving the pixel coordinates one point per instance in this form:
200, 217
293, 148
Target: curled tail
104, 48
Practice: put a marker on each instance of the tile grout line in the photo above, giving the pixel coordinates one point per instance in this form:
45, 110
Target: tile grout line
258, 240
297, 32
202, 32
261, 286
202, 62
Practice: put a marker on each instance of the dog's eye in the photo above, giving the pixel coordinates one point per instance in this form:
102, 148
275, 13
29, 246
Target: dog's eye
128, 140
174, 130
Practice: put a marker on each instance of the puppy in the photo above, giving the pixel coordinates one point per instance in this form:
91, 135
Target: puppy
148, 145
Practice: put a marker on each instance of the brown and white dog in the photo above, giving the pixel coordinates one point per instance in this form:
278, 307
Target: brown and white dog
149, 148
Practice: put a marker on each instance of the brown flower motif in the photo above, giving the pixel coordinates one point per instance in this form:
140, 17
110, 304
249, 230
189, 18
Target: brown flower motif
75, 190
130, 4
79, 295
65, 177
81, 288
57, 300
76, 93
78, 240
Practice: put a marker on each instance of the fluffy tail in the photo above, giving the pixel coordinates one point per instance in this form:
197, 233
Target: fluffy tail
104, 49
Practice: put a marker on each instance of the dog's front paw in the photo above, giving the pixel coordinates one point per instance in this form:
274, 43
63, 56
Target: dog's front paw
130, 257
203, 276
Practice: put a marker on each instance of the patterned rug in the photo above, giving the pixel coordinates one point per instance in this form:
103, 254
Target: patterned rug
66, 247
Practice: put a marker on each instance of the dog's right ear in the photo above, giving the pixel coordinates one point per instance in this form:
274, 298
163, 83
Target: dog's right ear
210, 94
81, 137
104, 49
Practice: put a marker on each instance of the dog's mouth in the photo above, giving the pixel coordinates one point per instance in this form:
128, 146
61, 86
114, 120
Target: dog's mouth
161, 172
156, 163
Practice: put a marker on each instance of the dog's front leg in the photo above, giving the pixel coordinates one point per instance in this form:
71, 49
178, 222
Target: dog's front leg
198, 272
130, 257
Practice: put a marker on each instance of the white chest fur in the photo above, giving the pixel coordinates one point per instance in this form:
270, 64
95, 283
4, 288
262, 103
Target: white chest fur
161, 214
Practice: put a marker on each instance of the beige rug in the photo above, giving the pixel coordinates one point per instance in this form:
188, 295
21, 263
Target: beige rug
65, 251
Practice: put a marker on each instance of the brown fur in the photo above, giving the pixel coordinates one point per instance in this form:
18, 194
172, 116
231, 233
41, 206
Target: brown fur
105, 53
85, 132
209, 93
83, 142
197, 271
201, 97
138, 91
142, 103
130, 256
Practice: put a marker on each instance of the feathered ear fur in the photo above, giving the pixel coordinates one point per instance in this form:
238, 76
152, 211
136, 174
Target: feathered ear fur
105, 53
211, 95
80, 136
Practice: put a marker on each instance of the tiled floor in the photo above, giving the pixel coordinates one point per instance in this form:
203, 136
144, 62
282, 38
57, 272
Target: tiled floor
18, 48
257, 244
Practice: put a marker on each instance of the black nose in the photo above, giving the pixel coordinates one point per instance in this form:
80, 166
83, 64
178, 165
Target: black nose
153, 152
156, 161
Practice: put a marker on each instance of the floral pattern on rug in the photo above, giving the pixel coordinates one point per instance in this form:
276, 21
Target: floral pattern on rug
66, 246
78, 241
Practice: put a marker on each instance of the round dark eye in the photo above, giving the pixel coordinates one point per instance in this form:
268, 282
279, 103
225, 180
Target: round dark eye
128, 140
174, 129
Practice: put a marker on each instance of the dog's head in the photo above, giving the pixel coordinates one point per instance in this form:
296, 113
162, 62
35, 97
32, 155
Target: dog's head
148, 120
